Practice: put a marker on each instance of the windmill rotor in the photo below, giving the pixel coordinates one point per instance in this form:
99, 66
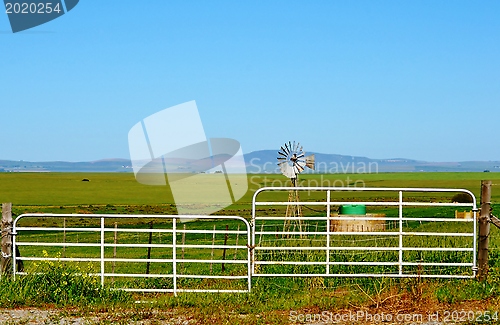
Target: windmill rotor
292, 159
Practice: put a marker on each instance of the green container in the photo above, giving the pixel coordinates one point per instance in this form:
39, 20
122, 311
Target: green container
353, 209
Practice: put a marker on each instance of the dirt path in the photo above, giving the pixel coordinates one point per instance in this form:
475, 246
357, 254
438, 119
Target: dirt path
397, 312
36, 316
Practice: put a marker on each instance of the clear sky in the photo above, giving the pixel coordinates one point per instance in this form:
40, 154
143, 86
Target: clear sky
382, 79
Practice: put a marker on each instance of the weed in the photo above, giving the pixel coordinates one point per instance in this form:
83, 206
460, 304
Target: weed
58, 284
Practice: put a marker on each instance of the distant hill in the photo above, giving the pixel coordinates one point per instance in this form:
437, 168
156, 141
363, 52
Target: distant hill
105, 165
264, 161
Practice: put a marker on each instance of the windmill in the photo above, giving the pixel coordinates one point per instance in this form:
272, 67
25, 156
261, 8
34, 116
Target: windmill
292, 161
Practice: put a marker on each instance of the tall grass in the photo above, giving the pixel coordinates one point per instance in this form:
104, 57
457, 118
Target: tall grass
57, 284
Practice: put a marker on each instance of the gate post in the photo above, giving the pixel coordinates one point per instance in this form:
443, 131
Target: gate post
484, 230
6, 260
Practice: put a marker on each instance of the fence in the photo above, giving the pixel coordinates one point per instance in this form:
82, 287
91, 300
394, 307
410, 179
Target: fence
184, 256
394, 241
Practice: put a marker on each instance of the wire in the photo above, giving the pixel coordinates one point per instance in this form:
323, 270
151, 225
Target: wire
315, 210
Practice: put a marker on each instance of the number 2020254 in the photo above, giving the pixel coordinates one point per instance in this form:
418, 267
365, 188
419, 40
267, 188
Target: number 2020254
32, 8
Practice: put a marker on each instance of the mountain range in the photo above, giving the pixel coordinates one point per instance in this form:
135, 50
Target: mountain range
264, 161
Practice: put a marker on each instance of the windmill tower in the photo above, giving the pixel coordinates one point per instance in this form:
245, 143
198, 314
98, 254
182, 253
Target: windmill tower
292, 161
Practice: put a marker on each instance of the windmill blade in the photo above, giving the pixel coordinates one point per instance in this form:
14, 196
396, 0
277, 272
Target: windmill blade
298, 168
281, 158
287, 170
294, 147
310, 161
287, 151
290, 146
301, 163
300, 152
300, 155
282, 153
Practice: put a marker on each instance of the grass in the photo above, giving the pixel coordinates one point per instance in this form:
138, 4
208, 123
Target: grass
67, 189
56, 283
271, 299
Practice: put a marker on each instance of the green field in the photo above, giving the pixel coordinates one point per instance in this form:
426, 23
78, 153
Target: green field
271, 297
63, 189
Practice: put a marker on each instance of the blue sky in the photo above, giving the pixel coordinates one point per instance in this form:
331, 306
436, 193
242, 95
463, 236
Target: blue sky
383, 79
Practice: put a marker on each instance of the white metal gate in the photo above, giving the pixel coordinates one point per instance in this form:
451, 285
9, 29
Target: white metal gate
180, 257
417, 235
407, 232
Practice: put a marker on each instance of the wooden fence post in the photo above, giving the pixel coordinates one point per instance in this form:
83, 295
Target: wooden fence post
484, 230
212, 254
148, 263
6, 261
236, 245
224, 250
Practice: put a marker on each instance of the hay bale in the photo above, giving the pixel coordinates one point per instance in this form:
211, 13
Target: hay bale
360, 224
464, 215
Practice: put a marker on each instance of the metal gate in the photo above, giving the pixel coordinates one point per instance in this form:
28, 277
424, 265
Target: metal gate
405, 232
132, 253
